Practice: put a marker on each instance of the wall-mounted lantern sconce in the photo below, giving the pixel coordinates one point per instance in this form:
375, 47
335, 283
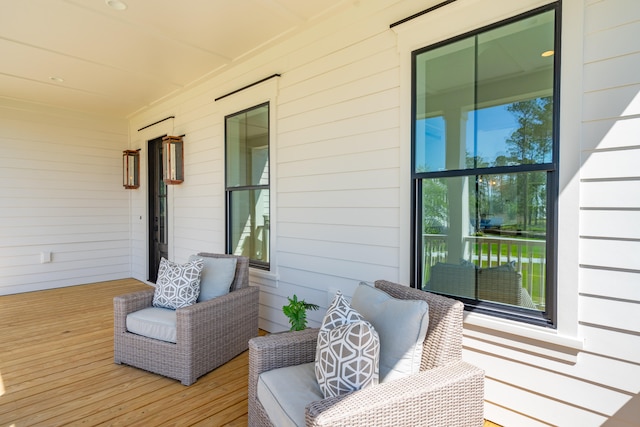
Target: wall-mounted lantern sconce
131, 168
172, 160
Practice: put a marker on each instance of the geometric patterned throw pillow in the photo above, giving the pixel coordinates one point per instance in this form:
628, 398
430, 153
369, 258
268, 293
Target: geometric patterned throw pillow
178, 285
347, 352
339, 313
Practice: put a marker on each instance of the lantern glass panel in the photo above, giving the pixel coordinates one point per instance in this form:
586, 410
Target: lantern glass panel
173, 158
130, 169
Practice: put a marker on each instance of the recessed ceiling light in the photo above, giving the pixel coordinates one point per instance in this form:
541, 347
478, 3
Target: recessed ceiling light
547, 53
56, 79
116, 4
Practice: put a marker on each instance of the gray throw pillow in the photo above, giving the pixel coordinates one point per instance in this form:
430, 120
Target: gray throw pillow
216, 277
401, 325
178, 285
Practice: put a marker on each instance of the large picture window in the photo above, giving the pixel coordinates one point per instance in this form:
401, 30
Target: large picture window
247, 184
484, 154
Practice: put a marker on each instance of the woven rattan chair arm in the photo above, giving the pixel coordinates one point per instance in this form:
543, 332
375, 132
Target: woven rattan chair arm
282, 349
219, 318
128, 303
218, 303
276, 351
134, 301
446, 396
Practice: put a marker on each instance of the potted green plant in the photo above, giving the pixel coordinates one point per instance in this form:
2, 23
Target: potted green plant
296, 312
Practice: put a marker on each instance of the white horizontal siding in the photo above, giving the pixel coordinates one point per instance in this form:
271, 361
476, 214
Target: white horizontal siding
619, 345
618, 40
360, 198
617, 224
597, 311
610, 213
612, 103
350, 252
368, 179
353, 125
611, 164
380, 139
619, 284
62, 194
611, 134
342, 84
536, 410
334, 267
344, 216
584, 392
605, 16
348, 163
363, 235
612, 73
610, 194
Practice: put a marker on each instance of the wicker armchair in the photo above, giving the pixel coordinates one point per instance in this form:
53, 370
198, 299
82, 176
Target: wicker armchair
446, 391
498, 284
208, 333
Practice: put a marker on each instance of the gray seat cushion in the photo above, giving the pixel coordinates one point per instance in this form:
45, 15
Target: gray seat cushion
285, 392
153, 322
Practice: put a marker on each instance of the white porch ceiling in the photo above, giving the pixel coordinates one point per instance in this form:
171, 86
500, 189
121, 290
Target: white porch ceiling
119, 62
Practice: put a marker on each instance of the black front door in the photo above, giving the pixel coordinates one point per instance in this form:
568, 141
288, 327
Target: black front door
158, 229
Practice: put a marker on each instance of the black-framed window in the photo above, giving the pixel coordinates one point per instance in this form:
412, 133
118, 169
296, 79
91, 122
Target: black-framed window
485, 167
247, 184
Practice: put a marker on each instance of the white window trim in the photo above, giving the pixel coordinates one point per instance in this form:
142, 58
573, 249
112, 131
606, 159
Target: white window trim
249, 97
461, 17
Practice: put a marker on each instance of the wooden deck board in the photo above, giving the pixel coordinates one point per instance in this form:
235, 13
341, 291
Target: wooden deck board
56, 368
56, 365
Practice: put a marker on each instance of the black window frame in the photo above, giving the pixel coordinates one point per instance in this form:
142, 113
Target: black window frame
547, 318
229, 190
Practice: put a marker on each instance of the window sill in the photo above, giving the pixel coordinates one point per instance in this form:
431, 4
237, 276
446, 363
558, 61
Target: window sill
263, 277
527, 338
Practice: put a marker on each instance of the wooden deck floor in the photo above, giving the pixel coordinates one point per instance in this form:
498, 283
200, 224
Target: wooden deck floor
56, 368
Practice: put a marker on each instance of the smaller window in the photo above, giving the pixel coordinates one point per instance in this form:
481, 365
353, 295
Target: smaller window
247, 184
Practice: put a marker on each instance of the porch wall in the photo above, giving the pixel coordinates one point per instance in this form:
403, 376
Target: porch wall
334, 161
340, 186
62, 194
